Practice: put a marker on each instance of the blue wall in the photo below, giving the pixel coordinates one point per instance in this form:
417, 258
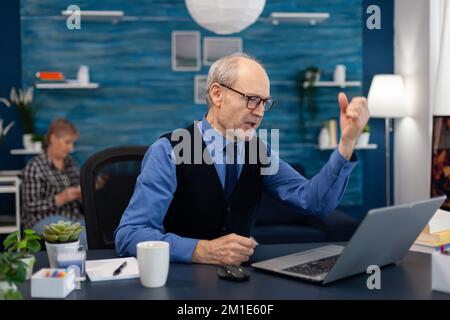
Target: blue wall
10, 74
140, 97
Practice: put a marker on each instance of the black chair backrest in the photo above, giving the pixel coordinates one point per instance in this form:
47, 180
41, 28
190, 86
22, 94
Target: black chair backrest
103, 207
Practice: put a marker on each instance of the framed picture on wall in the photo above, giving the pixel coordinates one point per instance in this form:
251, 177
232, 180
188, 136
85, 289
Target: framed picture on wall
440, 159
186, 51
215, 48
200, 89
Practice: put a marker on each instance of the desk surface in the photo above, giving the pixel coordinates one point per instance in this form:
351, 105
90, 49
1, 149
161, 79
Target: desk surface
411, 279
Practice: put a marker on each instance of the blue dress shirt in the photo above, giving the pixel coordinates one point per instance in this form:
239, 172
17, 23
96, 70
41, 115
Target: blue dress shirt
157, 182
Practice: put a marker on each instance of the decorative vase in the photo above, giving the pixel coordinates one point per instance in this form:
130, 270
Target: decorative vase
37, 146
27, 140
363, 139
55, 249
29, 262
339, 74
324, 138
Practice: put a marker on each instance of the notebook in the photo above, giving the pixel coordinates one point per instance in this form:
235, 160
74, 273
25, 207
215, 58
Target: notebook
102, 270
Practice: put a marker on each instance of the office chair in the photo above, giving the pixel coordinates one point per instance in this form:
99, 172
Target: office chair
108, 179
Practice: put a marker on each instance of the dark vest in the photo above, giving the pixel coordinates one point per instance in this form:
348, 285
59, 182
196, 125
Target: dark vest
199, 208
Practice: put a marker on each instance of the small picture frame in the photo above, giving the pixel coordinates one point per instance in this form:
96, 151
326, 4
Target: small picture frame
200, 89
215, 48
186, 51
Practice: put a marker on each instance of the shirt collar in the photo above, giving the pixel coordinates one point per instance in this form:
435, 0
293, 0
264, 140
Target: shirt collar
211, 137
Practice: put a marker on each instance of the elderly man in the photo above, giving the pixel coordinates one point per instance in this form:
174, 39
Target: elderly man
206, 211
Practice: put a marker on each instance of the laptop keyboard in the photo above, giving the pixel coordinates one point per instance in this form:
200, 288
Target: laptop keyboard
314, 268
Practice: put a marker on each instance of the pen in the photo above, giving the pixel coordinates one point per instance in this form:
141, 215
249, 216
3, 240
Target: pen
119, 269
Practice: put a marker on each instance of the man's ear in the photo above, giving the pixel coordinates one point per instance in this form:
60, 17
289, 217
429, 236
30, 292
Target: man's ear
216, 94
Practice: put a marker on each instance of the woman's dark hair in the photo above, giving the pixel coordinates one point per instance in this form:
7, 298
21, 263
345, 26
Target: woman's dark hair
60, 127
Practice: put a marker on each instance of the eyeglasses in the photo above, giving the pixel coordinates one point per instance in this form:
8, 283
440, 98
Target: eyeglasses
253, 101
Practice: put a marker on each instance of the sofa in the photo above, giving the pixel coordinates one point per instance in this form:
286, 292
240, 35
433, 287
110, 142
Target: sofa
277, 222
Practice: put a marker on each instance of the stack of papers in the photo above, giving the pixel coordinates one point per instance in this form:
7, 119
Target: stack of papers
102, 270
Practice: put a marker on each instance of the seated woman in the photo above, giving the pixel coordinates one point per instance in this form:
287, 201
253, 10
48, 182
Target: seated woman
51, 182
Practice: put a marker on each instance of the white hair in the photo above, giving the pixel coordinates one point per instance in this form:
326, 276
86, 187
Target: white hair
224, 71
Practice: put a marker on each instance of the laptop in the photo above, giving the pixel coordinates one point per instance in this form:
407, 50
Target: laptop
382, 238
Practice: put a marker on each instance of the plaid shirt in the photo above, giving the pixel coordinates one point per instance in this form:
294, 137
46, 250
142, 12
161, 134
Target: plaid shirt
41, 182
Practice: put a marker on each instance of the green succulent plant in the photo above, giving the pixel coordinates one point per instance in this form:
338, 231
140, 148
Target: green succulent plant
62, 232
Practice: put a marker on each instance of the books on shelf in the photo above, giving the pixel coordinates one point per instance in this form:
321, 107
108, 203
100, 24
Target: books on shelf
429, 242
440, 221
426, 249
50, 76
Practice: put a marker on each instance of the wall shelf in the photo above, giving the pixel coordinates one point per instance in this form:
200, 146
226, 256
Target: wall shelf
66, 85
370, 146
311, 18
334, 84
97, 15
24, 152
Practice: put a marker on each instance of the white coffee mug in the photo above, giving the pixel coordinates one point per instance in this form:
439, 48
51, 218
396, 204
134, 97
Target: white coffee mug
153, 261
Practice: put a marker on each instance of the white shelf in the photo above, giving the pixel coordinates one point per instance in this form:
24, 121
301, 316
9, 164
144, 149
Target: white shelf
97, 15
311, 18
66, 85
370, 146
8, 229
334, 84
10, 173
24, 152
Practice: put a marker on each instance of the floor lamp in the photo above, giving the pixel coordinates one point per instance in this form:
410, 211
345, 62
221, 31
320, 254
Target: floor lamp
387, 100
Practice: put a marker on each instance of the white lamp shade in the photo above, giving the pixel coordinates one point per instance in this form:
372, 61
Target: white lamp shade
387, 98
225, 16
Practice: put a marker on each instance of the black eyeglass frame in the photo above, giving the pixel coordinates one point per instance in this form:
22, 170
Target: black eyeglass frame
264, 101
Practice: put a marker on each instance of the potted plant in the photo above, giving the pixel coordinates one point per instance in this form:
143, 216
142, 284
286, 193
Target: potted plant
23, 99
363, 139
4, 130
25, 247
12, 273
59, 238
307, 91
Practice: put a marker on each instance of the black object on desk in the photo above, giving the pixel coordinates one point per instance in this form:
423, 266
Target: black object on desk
233, 272
119, 269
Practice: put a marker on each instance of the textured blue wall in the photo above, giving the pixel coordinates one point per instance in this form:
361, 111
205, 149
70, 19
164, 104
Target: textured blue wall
10, 73
141, 97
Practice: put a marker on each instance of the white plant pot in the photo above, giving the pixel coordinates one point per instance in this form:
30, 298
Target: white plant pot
37, 146
54, 249
363, 139
5, 286
29, 262
27, 140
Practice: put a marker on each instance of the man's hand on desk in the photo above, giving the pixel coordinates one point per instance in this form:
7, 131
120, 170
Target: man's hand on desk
229, 249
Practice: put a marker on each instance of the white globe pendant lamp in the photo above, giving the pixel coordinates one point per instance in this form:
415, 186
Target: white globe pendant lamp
225, 16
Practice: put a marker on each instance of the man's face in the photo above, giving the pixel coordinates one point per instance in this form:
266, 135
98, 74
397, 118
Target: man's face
234, 113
